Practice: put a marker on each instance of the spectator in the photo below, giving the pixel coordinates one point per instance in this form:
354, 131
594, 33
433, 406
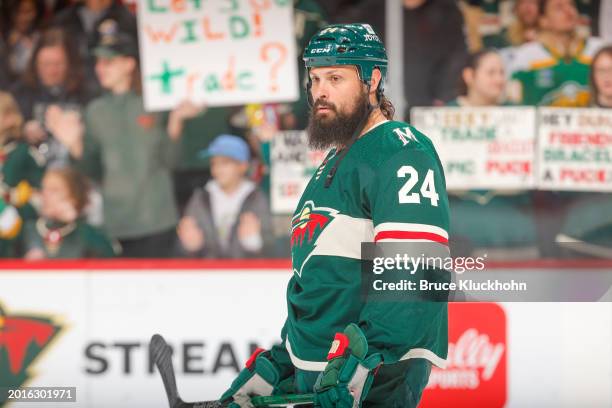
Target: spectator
129, 151
509, 232
523, 28
434, 51
21, 166
197, 135
53, 77
587, 229
229, 217
554, 70
20, 31
90, 20
601, 78
483, 80
61, 232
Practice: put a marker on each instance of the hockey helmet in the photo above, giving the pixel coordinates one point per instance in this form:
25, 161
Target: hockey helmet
348, 44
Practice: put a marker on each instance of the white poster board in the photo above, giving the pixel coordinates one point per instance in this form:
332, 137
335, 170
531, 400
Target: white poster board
482, 148
217, 52
292, 166
575, 149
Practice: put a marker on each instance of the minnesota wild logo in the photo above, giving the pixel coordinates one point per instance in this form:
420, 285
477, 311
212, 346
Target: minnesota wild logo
306, 227
22, 338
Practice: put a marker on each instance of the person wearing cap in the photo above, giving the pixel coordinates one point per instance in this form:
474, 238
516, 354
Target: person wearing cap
129, 151
346, 338
87, 22
229, 217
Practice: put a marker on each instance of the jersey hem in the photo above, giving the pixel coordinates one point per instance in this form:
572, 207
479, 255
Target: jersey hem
320, 365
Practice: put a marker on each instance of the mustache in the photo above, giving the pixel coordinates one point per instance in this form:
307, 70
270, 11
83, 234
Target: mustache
323, 104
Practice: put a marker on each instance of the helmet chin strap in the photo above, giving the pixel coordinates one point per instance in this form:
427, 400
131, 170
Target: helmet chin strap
369, 109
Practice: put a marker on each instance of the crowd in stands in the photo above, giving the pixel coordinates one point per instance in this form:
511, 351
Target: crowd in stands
85, 171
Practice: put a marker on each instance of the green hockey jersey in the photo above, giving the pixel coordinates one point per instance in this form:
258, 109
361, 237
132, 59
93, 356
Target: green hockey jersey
541, 76
67, 241
390, 187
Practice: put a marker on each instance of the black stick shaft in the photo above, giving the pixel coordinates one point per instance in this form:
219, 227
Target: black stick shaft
162, 356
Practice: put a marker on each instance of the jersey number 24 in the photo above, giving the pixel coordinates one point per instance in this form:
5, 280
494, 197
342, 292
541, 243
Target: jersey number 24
427, 190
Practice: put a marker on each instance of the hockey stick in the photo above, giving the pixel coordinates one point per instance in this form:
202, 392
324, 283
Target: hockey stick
161, 353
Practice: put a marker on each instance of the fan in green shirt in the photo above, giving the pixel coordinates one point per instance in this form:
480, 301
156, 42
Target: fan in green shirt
61, 231
554, 69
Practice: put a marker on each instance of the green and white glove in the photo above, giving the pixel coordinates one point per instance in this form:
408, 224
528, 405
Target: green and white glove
266, 373
348, 376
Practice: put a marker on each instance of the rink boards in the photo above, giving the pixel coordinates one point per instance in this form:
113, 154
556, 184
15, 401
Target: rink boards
87, 325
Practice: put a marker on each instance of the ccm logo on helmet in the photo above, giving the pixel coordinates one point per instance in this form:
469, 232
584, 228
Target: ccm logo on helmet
371, 37
320, 50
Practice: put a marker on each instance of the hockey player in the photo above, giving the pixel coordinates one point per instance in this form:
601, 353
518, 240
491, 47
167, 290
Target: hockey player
381, 181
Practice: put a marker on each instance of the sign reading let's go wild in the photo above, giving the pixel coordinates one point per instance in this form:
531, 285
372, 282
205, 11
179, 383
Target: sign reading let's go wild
217, 52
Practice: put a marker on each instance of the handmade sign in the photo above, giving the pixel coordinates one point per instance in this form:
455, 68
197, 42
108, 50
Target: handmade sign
293, 164
482, 148
575, 149
217, 52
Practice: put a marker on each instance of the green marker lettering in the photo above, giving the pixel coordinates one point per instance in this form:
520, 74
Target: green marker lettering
154, 8
165, 77
243, 81
233, 7
197, 4
191, 37
211, 83
239, 27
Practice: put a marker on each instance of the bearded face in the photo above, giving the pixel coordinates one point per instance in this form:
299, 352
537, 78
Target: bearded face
333, 125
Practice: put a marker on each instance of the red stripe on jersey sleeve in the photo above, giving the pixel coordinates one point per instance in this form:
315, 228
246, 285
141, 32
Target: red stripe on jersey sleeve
429, 236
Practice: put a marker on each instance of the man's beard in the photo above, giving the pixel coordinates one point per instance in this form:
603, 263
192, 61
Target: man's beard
336, 131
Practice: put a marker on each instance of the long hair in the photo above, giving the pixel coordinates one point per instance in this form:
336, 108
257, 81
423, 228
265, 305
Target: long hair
607, 50
386, 107
56, 37
473, 62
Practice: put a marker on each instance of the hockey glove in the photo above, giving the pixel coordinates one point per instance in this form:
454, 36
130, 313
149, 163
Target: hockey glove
348, 376
263, 375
